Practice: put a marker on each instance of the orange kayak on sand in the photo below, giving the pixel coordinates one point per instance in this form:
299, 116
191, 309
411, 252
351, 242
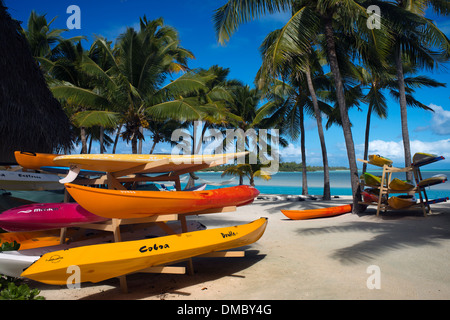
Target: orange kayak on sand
134, 203
317, 213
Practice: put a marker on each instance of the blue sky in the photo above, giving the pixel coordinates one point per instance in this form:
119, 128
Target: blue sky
429, 132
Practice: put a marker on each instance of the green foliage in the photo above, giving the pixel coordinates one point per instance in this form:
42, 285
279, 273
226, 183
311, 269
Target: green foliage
22, 292
10, 287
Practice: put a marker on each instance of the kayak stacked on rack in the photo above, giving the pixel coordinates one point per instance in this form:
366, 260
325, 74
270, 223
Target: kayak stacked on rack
35, 225
372, 195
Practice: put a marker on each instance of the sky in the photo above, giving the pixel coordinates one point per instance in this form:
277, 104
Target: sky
429, 131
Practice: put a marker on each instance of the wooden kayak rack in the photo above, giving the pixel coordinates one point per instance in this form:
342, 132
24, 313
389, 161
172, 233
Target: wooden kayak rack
384, 189
118, 181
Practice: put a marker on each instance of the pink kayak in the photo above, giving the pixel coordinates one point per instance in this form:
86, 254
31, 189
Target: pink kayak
43, 216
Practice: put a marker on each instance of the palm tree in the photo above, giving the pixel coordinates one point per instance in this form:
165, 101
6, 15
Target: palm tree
282, 56
43, 40
417, 40
313, 17
376, 100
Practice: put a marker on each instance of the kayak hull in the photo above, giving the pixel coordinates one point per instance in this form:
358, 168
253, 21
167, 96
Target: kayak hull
43, 216
119, 162
371, 180
379, 161
400, 185
134, 203
104, 261
401, 202
29, 181
317, 213
437, 179
34, 161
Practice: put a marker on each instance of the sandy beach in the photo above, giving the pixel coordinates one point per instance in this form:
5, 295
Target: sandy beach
328, 258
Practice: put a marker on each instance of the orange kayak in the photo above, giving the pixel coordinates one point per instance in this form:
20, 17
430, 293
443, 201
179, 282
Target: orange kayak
32, 160
134, 203
317, 213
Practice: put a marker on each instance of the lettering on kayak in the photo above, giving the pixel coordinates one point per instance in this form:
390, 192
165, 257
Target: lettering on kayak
229, 234
39, 210
22, 175
54, 259
154, 247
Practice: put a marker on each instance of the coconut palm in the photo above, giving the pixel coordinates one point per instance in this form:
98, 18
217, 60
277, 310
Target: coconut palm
416, 40
42, 38
312, 17
282, 56
387, 81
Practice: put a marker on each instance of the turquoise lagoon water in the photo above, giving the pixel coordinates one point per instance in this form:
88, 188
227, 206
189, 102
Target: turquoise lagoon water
290, 183
287, 183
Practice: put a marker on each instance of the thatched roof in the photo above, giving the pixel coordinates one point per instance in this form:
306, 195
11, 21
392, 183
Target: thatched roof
31, 119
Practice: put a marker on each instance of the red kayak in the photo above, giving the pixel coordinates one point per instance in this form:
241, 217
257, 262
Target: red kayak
317, 213
44, 216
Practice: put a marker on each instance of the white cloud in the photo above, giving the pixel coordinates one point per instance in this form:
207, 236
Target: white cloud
394, 149
440, 120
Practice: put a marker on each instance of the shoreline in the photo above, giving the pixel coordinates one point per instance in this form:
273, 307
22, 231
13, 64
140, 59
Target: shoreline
325, 258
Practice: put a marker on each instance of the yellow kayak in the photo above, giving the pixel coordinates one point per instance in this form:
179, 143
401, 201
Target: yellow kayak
400, 185
379, 161
162, 162
104, 261
401, 202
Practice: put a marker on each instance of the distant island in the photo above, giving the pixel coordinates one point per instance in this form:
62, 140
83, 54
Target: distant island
283, 167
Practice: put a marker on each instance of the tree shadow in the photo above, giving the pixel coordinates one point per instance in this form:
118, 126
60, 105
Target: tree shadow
387, 234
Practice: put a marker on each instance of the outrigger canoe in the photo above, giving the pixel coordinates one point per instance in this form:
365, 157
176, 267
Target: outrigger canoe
34, 161
401, 185
123, 204
43, 216
401, 202
379, 161
104, 261
317, 213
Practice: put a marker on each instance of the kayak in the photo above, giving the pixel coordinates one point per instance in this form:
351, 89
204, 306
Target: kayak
43, 216
163, 162
371, 180
421, 158
400, 185
379, 161
104, 261
439, 178
29, 181
47, 238
111, 203
13, 263
317, 213
401, 202
34, 161
369, 197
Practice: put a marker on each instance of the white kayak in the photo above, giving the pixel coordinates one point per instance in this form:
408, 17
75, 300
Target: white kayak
27, 181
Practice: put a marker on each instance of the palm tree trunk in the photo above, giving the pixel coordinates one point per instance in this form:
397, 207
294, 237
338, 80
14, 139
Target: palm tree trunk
102, 134
366, 137
141, 131
348, 137
116, 139
83, 140
303, 149
403, 112
326, 172
153, 146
